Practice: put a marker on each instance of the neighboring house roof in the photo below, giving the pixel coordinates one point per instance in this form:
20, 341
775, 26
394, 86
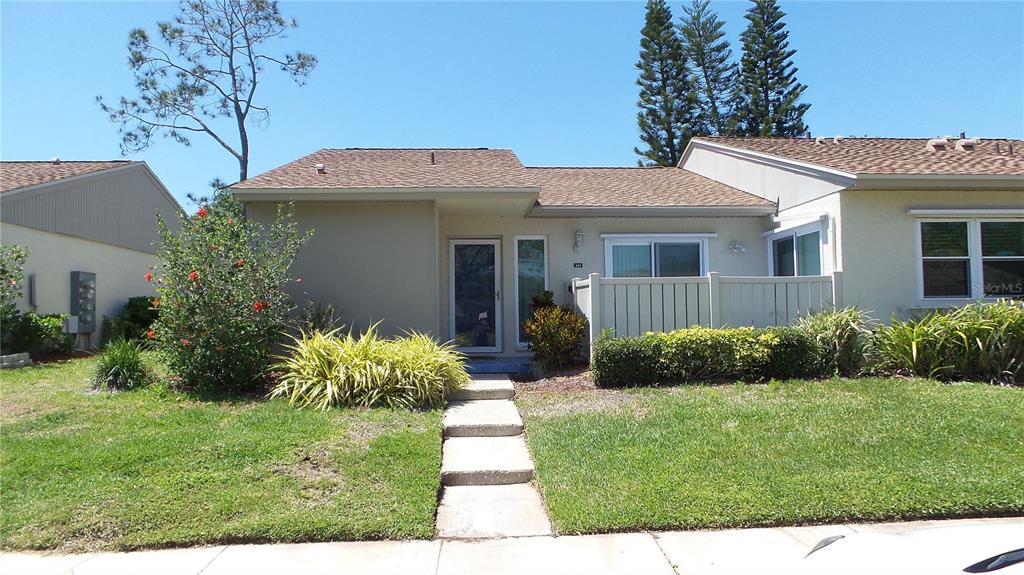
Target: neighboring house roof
635, 187
17, 175
111, 202
890, 156
396, 168
387, 168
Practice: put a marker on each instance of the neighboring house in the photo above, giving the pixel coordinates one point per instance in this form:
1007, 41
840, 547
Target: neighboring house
455, 241
914, 224
94, 217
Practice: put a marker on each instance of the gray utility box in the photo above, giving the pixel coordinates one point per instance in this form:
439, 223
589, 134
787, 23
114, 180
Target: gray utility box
83, 303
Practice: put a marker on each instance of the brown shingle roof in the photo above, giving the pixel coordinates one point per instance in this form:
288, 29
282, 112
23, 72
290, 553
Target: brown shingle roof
397, 168
17, 175
486, 168
635, 187
898, 156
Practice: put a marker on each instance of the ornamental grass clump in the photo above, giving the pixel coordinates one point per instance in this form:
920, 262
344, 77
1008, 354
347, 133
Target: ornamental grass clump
842, 336
222, 304
324, 370
121, 366
979, 342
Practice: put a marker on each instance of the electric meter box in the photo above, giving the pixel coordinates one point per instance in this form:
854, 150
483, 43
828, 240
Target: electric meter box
83, 302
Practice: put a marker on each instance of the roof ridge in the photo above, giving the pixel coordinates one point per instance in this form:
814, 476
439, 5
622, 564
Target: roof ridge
599, 167
412, 149
63, 161
849, 137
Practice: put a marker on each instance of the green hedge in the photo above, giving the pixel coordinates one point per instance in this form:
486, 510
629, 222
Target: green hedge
979, 342
621, 361
701, 354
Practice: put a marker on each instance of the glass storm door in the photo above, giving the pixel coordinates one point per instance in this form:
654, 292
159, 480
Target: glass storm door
475, 303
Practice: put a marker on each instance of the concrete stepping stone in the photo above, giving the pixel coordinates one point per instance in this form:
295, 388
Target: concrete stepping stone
485, 461
482, 418
497, 387
491, 511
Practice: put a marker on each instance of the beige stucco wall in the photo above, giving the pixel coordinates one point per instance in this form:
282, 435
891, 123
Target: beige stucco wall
878, 237
374, 261
560, 234
119, 271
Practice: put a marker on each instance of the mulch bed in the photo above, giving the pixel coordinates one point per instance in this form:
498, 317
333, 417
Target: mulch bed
574, 379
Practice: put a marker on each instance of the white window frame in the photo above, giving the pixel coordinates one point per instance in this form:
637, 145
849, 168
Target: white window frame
974, 256
547, 273
794, 232
649, 240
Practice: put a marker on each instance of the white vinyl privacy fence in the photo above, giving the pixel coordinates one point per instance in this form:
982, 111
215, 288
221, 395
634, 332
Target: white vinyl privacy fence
633, 306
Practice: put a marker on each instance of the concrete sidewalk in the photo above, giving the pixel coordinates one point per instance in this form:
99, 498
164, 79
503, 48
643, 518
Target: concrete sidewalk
671, 553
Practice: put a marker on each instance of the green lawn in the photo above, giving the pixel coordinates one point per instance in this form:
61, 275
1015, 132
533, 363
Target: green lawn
776, 454
86, 470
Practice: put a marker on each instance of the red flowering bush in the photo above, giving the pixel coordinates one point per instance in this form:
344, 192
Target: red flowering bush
222, 304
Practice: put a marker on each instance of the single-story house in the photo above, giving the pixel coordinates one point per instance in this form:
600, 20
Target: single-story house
455, 241
91, 231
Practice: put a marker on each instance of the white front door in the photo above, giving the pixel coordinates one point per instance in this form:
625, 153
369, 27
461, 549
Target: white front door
474, 305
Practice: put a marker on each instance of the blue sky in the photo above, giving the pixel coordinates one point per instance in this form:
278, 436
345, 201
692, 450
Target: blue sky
553, 81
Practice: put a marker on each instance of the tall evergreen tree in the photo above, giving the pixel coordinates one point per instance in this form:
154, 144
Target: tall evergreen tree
667, 103
710, 57
768, 91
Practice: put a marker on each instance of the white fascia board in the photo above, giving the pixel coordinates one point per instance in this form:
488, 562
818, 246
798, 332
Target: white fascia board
938, 182
838, 177
650, 212
968, 212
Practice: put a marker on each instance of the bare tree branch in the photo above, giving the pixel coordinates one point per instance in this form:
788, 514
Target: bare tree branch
206, 67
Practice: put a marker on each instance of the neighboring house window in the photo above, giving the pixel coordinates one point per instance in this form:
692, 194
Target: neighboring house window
531, 276
1002, 258
972, 258
797, 252
945, 259
660, 255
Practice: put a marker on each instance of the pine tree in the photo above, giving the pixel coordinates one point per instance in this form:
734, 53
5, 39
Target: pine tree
768, 91
667, 116
714, 71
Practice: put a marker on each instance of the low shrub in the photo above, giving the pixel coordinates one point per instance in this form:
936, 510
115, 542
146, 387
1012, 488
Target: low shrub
121, 366
135, 319
39, 334
842, 336
544, 299
324, 370
701, 354
784, 353
627, 361
555, 333
981, 342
